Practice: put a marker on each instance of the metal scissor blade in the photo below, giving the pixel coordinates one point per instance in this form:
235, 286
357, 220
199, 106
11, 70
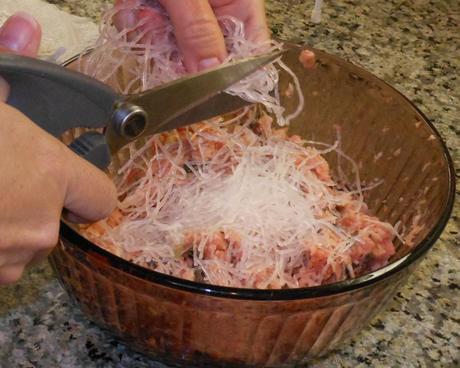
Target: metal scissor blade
219, 104
166, 103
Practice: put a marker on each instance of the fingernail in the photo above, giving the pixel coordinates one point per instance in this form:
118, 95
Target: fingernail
18, 31
208, 63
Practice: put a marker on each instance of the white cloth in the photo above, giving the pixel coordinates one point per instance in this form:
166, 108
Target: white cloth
64, 35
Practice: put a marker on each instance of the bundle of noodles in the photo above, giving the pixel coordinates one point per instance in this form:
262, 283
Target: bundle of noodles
229, 201
146, 55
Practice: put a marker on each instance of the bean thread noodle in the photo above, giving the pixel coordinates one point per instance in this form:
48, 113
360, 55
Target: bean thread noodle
230, 201
146, 55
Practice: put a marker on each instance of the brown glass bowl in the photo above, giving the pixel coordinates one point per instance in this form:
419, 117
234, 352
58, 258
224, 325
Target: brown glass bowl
191, 324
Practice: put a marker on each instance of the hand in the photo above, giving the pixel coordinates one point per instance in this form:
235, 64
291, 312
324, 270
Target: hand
198, 33
39, 175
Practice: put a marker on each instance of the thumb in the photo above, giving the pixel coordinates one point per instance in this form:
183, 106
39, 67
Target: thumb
90, 195
21, 34
198, 33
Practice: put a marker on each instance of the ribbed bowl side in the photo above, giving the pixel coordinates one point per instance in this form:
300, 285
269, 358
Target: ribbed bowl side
180, 327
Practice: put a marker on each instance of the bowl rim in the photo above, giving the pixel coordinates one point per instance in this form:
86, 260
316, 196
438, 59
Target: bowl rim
83, 244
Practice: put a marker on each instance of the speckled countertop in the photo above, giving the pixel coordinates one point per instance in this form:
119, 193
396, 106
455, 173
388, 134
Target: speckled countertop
415, 46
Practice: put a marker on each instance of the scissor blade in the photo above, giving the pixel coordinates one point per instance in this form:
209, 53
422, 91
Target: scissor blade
219, 104
164, 105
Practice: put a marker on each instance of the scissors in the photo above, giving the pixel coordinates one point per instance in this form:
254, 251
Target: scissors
59, 99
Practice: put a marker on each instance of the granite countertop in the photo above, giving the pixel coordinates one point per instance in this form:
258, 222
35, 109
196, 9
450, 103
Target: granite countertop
413, 45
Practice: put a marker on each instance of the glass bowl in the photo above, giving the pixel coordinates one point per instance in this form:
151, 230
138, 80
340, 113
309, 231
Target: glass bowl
190, 324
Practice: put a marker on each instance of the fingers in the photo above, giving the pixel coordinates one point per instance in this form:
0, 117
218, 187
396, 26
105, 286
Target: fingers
128, 18
91, 195
24, 249
125, 18
14, 269
250, 12
146, 25
198, 33
11, 273
38, 180
256, 26
21, 34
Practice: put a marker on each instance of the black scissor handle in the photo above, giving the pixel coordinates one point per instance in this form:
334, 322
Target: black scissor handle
92, 146
56, 98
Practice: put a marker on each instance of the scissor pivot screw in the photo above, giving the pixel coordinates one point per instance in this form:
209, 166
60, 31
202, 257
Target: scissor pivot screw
129, 120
